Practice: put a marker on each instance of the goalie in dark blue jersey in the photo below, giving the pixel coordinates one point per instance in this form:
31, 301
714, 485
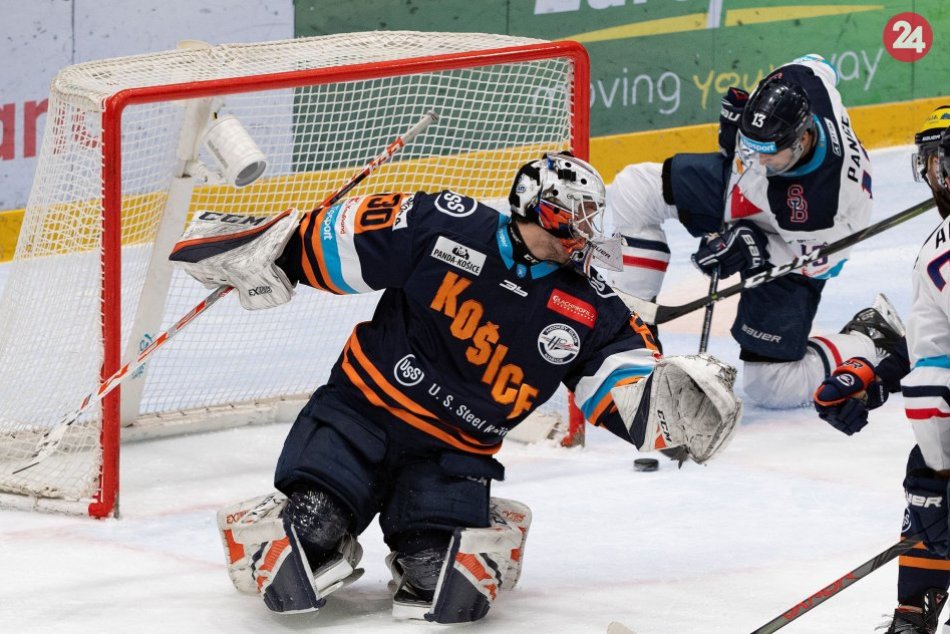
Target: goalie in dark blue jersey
482, 318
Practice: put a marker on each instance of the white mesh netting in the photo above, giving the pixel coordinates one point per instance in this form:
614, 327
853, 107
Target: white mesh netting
493, 117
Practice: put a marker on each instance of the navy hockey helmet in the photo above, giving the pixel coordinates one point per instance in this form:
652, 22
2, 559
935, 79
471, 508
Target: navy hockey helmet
775, 119
927, 140
567, 198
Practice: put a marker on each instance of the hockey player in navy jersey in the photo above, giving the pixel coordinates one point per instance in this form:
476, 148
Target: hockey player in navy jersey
857, 385
482, 318
790, 176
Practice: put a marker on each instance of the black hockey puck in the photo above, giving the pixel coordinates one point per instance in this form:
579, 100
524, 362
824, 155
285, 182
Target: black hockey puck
646, 464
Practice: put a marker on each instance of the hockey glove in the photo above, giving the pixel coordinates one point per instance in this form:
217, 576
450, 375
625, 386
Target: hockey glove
239, 251
730, 111
844, 398
927, 508
742, 247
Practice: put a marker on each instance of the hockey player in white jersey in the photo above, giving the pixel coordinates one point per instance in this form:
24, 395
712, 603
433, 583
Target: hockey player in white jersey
790, 176
483, 316
857, 386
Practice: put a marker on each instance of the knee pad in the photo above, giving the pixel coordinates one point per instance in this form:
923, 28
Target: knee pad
319, 520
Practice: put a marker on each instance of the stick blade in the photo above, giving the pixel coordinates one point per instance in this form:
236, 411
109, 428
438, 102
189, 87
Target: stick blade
615, 627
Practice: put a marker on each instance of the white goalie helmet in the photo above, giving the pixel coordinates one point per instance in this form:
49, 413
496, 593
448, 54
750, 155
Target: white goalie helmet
567, 198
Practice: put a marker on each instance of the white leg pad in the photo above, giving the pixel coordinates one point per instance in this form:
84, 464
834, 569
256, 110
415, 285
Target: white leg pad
264, 557
512, 513
253, 521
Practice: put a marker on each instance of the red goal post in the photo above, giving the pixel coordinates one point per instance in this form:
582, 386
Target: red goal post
125, 162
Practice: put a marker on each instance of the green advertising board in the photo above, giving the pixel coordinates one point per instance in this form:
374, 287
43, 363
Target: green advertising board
659, 64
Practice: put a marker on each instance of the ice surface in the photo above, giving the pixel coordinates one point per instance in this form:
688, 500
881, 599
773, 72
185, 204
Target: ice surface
791, 506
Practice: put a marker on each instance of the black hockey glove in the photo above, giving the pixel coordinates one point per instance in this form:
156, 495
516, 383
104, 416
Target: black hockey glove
844, 398
730, 111
927, 507
742, 247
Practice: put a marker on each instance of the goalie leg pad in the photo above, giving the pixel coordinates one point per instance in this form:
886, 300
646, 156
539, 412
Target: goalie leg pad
249, 518
266, 556
686, 402
511, 513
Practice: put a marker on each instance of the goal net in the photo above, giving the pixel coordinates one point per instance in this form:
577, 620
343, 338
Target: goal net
126, 161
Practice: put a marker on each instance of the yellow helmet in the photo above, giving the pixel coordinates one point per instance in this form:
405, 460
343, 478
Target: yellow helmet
927, 140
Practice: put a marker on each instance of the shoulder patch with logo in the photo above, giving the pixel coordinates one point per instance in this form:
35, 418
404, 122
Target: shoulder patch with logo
453, 204
572, 308
599, 285
402, 216
559, 344
458, 255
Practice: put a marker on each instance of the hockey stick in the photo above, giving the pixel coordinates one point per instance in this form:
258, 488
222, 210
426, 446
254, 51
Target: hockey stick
653, 313
708, 315
838, 585
51, 440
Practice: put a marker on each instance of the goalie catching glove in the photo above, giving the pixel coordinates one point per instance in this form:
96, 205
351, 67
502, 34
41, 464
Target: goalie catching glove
686, 402
240, 251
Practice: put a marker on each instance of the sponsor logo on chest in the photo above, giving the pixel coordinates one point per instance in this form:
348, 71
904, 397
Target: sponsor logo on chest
572, 308
458, 255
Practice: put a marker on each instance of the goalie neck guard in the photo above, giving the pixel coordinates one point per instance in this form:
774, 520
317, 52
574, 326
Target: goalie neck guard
566, 197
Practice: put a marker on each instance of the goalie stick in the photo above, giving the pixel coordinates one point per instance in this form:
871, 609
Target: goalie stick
653, 313
838, 585
50, 441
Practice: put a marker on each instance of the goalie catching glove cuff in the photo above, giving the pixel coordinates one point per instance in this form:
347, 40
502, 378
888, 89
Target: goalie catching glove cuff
240, 251
844, 398
686, 402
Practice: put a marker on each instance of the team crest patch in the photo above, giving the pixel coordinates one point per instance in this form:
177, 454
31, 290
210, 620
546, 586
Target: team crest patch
458, 255
559, 344
454, 204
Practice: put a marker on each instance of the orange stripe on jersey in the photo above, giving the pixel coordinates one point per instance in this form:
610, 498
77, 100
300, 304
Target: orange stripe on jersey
926, 564
314, 245
353, 345
474, 566
408, 417
304, 260
641, 329
608, 400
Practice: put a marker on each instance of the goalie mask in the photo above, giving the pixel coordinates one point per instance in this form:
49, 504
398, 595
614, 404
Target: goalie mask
927, 140
566, 197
